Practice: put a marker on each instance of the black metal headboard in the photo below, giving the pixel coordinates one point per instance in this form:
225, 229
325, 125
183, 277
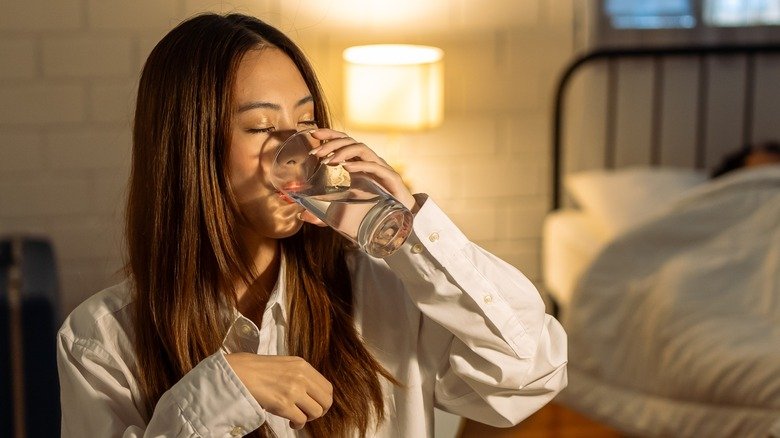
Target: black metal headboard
657, 55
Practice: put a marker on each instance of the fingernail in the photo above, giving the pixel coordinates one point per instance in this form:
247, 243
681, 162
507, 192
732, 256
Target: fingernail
325, 161
315, 150
299, 215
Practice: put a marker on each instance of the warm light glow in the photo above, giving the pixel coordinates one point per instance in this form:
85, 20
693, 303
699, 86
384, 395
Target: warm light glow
393, 54
394, 87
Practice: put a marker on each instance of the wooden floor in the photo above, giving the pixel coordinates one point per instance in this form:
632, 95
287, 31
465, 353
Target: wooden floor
552, 421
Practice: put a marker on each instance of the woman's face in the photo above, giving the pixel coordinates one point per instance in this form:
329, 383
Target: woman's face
272, 103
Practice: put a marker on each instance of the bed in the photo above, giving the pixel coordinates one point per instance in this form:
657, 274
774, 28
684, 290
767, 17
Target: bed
667, 281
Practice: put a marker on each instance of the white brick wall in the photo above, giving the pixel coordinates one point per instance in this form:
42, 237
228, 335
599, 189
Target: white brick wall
20, 151
91, 56
40, 195
25, 16
41, 103
68, 77
137, 15
18, 57
88, 148
112, 100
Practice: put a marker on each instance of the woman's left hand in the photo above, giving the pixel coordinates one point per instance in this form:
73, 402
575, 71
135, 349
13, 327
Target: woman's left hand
357, 157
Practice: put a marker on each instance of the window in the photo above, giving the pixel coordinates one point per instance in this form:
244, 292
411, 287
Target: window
640, 23
650, 14
740, 13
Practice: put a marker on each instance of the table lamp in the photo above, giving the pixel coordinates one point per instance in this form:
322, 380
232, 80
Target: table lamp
393, 87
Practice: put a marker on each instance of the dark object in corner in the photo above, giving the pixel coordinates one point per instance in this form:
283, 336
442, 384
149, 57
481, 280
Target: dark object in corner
29, 388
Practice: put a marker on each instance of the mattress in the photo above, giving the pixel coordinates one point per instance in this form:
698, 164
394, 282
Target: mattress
570, 240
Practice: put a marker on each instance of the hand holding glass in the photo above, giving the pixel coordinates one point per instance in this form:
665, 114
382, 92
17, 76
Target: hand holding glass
352, 204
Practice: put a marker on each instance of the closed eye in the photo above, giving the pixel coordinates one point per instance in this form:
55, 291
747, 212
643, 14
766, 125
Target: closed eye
260, 130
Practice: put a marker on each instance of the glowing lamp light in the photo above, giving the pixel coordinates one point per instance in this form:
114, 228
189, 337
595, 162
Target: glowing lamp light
394, 87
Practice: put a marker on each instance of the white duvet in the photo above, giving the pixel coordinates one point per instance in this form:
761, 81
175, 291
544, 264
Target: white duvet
675, 328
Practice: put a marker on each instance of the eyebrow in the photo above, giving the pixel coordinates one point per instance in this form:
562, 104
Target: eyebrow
272, 106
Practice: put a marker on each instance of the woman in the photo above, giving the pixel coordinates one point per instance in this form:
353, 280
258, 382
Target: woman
238, 316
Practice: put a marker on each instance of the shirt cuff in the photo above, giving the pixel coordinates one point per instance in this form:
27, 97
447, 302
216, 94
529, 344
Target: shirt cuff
434, 237
214, 401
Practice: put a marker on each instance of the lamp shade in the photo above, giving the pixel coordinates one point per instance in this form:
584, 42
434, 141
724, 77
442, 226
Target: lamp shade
394, 87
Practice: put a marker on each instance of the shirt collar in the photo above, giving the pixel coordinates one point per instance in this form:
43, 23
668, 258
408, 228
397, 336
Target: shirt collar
279, 294
276, 305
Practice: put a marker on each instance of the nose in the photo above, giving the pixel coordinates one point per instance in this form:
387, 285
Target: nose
293, 166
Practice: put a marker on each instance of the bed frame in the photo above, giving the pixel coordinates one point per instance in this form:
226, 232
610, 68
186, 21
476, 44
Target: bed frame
670, 106
740, 80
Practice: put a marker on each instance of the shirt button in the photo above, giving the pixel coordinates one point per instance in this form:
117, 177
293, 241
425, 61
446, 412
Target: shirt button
237, 431
246, 330
417, 248
488, 299
433, 237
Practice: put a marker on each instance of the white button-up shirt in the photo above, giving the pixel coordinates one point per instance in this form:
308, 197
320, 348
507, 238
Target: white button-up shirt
459, 328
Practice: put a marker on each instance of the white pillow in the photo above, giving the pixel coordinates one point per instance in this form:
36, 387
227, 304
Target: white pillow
621, 199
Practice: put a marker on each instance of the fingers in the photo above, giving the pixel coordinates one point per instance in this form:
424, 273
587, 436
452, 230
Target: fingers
297, 417
386, 177
321, 393
379, 173
326, 134
338, 147
310, 407
286, 386
305, 409
312, 397
353, 151
305, 401
309, 217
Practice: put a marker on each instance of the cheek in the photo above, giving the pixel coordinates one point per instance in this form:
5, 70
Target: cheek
270, 216
248, 167
248, 177
242, 163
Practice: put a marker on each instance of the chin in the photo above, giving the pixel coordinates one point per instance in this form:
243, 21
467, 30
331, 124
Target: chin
276, 232
289, 229
284, 223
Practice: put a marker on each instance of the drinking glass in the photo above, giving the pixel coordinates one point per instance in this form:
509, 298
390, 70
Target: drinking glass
353, 204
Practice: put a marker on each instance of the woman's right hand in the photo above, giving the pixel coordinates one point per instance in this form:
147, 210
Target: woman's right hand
286, 386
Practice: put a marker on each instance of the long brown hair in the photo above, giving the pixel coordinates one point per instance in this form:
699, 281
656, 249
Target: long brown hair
184, 253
